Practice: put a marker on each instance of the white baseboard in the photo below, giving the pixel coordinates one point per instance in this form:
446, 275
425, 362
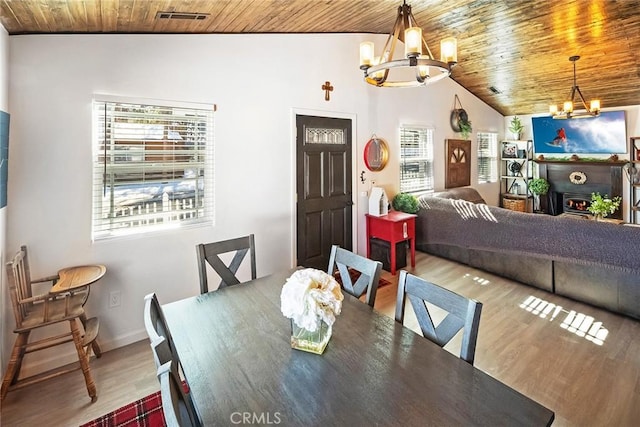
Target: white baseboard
66, 354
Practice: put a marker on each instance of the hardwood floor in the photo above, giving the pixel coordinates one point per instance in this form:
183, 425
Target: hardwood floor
584, 366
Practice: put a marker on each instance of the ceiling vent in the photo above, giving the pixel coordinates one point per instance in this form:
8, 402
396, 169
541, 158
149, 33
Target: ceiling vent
193, 16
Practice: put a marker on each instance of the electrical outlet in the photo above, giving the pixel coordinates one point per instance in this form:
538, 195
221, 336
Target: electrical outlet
114, 299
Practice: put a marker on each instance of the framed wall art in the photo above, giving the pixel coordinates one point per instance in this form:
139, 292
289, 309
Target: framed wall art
605, 134
509, 151
376, 154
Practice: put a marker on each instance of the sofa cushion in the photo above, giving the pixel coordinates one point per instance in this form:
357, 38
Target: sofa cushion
479, 226
465, 193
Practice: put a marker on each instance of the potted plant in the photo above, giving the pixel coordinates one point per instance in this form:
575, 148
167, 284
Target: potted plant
516, 127
538, 187
405, 202
465, 128
602, 206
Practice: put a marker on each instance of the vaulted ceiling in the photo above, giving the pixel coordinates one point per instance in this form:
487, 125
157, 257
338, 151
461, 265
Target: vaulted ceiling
512, 54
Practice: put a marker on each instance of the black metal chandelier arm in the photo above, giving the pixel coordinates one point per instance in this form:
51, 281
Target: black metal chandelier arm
584, 102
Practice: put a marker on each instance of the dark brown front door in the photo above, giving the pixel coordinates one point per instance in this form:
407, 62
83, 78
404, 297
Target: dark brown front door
323, 163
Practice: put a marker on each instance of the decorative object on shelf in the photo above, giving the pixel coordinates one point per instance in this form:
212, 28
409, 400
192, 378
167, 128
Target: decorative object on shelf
376, 154
567, 110
418, 56
514, 204
540, 157
459, 117
405, 202
574, 158
458, 169
516, 127
577, 177
311, 299
326, 87
631, 172
538, 187
601, 206
515, 168
509, 151
613, 158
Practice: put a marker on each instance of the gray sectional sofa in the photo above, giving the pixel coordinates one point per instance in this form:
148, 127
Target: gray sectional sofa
593, 262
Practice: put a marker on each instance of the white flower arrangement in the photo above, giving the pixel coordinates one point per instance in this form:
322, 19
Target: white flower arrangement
310, 296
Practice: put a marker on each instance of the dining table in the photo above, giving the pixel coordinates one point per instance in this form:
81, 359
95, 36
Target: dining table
234, 347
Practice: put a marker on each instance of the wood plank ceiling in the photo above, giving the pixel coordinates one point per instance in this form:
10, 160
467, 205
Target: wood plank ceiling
520, 48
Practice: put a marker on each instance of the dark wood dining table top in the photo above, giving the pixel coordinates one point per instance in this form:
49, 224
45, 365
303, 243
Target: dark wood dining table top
234, 345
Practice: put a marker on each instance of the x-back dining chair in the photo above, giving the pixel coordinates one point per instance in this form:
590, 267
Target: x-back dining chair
156, 326
463, 313
38, 312
344, 260
208, 253
178, 406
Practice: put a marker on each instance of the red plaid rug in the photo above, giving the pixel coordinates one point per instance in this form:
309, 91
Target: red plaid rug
146, 412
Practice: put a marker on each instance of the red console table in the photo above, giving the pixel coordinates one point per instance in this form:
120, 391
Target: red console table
394, 227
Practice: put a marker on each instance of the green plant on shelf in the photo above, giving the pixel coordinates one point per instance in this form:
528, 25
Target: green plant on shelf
516, 127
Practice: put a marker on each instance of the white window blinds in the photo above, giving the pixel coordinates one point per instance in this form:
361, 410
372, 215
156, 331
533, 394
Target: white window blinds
153, 166
487, 157
416, 159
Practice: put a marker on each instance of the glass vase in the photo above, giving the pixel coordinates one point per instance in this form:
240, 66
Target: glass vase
313, 342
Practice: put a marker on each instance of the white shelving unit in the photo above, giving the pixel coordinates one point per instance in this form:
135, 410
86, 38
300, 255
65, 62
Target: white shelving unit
516, 169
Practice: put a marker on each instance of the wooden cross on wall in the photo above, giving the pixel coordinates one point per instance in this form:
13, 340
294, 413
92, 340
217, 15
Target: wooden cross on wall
326, 87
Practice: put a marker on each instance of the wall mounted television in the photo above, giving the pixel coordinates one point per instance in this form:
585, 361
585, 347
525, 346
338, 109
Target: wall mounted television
605, 134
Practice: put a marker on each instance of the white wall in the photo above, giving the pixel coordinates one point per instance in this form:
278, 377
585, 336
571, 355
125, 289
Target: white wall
5, 316
257, 82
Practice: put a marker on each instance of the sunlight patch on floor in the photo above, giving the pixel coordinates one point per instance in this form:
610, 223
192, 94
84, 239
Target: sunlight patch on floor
577, 323
481, 281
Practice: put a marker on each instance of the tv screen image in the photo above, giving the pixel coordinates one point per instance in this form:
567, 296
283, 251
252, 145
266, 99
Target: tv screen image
605, 134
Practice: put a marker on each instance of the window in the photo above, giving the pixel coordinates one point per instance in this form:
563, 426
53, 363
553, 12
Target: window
487, 157
416, 159
153, 166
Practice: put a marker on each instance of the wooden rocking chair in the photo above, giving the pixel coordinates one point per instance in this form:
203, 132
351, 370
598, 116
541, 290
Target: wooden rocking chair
39, 311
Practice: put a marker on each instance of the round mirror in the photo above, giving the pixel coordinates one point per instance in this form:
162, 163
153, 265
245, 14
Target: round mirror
376, 154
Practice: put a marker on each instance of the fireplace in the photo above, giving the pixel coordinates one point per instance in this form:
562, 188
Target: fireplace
576, 203
568, 194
